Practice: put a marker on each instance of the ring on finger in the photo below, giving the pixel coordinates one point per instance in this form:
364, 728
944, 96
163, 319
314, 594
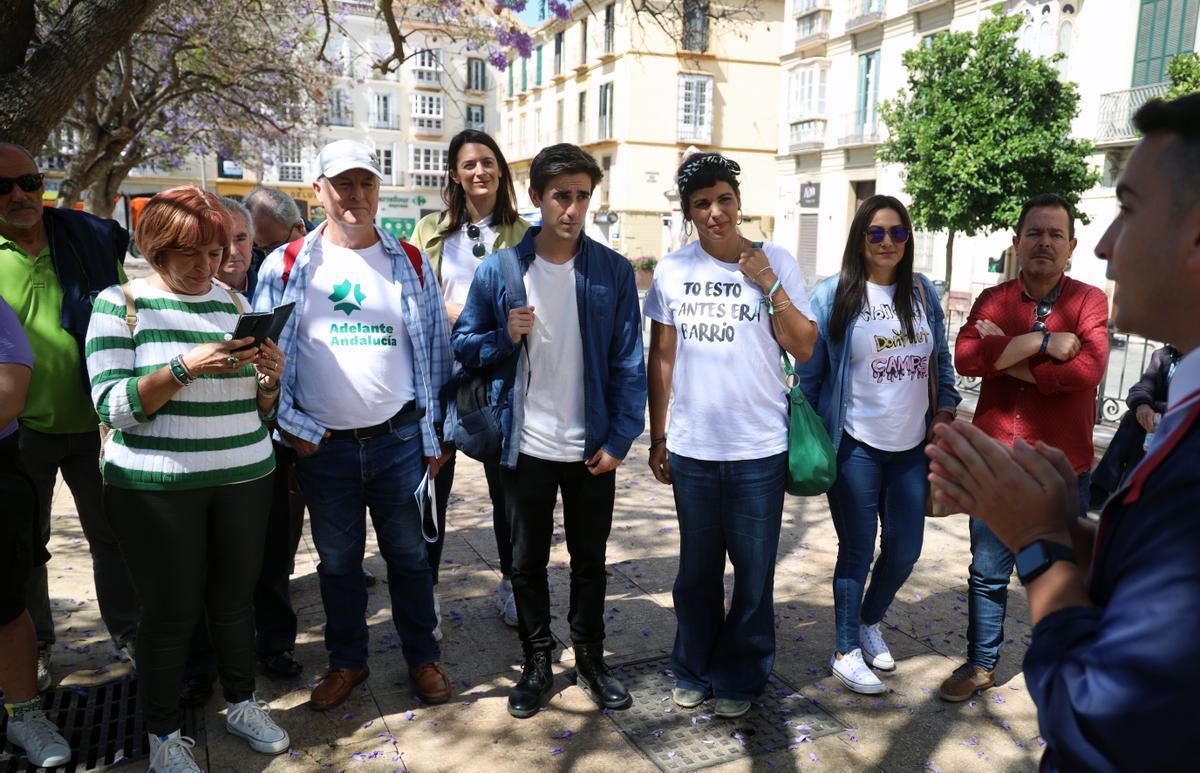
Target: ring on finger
231, 360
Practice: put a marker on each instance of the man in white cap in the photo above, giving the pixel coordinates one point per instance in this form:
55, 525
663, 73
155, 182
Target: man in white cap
370, 341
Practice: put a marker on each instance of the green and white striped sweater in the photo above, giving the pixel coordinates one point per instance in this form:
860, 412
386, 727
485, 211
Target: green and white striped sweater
210, 432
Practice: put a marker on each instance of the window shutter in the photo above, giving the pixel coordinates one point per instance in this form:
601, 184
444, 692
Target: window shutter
806, 254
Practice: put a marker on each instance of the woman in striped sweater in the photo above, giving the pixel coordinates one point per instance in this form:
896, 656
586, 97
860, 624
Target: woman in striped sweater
189, 463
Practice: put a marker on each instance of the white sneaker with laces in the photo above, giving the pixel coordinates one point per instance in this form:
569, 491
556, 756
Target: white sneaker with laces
853, 672
251, 720
437, 611
506, 602
43, 744
875, 650
172, 754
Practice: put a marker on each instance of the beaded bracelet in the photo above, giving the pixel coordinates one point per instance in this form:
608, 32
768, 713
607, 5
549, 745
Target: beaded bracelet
180, 372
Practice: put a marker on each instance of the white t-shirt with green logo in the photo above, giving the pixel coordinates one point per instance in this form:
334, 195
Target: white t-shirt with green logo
355, 359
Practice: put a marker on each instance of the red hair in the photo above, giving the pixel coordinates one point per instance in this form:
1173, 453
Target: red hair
186, 216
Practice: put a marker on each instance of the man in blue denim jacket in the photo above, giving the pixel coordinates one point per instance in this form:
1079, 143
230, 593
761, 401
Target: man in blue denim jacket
571, 379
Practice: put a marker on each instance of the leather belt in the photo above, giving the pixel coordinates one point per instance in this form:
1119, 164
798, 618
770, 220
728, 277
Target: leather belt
405, 416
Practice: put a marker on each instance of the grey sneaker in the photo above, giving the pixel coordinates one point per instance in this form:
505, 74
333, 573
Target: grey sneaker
506, 602
44, 678
437, 612
728, 708
251, 720
172, 754
687, 699
43, 744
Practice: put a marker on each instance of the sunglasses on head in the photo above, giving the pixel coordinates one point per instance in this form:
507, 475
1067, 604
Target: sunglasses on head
1039, 316
876, 233
26, 182
479, 249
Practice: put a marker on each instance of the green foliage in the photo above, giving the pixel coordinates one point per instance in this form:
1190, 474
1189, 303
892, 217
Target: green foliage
644, 263
982, 127
1184, 72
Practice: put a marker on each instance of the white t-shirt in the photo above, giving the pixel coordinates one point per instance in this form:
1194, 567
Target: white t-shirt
354, 358
554, 427
889, 375
459, 262
729, 391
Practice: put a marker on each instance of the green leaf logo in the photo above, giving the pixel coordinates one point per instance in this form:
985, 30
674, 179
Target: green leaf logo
341, 294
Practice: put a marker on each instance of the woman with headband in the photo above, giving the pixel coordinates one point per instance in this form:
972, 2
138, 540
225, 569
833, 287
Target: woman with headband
722, 308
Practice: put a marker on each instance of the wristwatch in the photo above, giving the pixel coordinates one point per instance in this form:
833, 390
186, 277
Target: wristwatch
1035, 558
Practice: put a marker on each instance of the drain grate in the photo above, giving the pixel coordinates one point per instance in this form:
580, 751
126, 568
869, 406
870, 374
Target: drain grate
678, 739
103, 725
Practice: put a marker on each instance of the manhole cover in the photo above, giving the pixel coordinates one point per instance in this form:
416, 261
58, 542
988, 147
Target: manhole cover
103, 725
678, 739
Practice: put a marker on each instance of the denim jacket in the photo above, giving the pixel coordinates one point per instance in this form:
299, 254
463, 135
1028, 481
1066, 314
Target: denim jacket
825, 378
610, 323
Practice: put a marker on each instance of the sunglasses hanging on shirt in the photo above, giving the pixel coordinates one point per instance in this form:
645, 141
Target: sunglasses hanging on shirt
876, 233
26, 182
479, 249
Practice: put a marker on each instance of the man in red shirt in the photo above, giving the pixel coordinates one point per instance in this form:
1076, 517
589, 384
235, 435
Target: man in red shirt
1040, 344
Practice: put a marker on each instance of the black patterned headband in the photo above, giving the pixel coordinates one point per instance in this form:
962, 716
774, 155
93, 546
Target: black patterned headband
699, 161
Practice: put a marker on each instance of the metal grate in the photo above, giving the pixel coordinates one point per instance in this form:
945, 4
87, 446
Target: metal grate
103, 726
676, 739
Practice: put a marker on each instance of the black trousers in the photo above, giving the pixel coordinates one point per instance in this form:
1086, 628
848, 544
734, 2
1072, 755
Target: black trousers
444, 482
191, 551
530, 493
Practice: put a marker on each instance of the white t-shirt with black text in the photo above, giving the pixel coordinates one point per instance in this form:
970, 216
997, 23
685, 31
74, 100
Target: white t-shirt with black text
889, 374
354, 363
554, 428
729, 391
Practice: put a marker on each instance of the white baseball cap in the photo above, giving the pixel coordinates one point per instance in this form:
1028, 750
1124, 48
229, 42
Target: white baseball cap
343, 155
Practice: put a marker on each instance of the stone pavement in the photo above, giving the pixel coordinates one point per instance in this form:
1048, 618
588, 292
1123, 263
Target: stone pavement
383, 728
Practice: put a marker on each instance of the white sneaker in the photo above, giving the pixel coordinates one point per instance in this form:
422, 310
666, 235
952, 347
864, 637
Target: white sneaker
853, 672
43, 744
437, 612
45, 680
506, 602
875, 651
251, 720
172, 754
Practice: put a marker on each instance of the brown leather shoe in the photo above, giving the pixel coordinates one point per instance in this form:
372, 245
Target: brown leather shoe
430, 683
335, 687
966, 680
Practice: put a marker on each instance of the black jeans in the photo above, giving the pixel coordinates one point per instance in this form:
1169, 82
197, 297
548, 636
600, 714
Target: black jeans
530, 492
274, 618
445, 481
189, 551
77, 456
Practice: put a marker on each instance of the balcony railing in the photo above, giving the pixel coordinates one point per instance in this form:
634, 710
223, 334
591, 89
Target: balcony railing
859, 130
808, 6
343, 119
869, 13
385, 122
1117, 109
808, 134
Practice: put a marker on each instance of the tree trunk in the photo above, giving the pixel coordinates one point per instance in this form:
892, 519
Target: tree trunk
102, 196
949, 276
36, 94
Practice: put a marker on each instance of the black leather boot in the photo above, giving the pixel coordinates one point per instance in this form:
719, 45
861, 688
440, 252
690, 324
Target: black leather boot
536, 682
596, 680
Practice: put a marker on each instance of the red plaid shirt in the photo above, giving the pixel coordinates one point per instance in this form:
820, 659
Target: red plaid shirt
1060, 409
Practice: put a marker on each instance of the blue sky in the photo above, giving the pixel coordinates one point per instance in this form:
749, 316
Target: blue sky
530, 16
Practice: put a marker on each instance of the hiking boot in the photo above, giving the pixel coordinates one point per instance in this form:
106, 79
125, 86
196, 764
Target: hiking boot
595, 678
537, 680
335, 687
430, 683
966, 680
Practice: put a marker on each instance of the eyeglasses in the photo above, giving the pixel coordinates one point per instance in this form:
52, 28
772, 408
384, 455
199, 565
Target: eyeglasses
1039, 316
479, 249
26, 182
876, 233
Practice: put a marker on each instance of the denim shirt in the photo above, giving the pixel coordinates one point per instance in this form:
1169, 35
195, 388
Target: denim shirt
610, 322
825, 378
424, 317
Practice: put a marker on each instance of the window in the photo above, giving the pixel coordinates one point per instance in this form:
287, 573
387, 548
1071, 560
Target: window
510, 80
291, 162
338, 110
807, 132
581, 136
924, 247
583, 41
427, 165
427, 67
475, 118
558, 53
476, 75
606, 167
606, 111
524, 138
695, 25
381, 112
806, 92
1165, 28
1065, 31
385, 164
695, 108
811, 25
865, 118
427, 112
524, 75
610, 27
538, 139
806, 254
558, 120
537, 70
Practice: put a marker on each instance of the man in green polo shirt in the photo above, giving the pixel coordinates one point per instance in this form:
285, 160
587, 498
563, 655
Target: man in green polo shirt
52, 264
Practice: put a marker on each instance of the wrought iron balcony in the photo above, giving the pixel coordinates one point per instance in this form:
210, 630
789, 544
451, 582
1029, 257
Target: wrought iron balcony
808, 134
385, 122
344, 119
870, 15
1116, 112
859, 130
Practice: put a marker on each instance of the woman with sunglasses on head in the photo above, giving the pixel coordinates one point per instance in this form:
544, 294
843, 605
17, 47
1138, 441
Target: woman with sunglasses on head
882, 329
723, 307
480, 218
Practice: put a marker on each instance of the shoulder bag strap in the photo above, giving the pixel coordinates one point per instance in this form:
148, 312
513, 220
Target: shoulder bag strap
131, 317
289, 258
414, 257
933, 357
237, 302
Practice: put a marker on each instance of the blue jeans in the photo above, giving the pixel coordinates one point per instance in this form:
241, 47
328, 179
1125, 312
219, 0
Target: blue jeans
874, 487
987, 596
342, 480
734, 508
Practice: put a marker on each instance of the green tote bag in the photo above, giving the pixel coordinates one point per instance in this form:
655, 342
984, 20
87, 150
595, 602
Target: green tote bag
812, 462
